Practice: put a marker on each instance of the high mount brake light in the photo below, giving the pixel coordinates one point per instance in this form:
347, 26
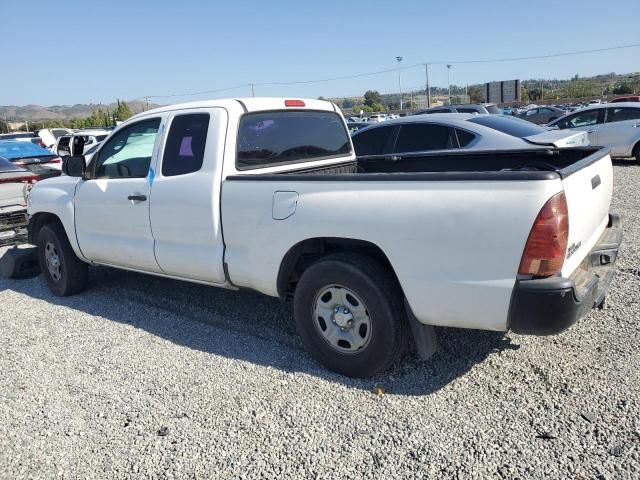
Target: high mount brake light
294, 103
547, 243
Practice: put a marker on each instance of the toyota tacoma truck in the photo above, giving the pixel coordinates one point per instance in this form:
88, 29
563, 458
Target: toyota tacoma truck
266, 194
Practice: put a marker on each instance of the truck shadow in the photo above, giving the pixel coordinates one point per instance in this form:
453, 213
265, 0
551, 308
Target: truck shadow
253, 328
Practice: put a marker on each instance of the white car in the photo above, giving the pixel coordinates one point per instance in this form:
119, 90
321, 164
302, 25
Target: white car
50, 136
378, 117
613, 125
265, 194
15, 183
80, 141
441, 132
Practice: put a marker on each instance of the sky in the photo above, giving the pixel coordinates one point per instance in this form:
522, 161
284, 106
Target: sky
67, 52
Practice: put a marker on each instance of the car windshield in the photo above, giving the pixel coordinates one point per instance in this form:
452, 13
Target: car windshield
515, 127
15, 150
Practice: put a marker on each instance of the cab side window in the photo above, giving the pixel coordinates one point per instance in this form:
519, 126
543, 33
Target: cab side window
184, 150
127, 154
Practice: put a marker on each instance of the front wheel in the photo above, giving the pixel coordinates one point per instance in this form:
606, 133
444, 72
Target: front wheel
350, 316
64, 272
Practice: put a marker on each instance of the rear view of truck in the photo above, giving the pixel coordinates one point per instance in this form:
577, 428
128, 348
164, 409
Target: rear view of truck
568, 262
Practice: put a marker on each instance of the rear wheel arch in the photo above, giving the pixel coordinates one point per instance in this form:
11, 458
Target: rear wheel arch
636, 151
303, 254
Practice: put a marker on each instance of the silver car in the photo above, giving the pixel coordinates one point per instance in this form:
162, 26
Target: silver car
453, 131
616, 126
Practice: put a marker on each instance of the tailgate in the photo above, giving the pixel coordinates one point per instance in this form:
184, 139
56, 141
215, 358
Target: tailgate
588, 188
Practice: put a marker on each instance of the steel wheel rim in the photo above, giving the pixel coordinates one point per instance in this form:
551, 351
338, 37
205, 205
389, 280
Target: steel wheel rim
342, 319
52, 260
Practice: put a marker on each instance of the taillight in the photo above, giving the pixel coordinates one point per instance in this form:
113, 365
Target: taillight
42, 145
25, 179
55, 160
293, 103
547, 243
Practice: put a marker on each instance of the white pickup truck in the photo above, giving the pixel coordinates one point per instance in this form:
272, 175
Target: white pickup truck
266, 194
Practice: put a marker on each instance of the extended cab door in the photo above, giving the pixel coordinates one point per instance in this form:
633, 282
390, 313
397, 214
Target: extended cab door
185, 197
112, 204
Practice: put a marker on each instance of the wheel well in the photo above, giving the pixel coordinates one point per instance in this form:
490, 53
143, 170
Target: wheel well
636, 150
303, 254
38, 221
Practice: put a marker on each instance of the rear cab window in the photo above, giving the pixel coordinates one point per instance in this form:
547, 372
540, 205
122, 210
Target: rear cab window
267, 139
184, 150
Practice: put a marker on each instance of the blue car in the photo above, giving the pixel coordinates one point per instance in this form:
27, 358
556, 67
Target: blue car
507, 111
38, 160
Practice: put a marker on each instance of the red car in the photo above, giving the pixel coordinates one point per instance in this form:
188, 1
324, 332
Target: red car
632, 98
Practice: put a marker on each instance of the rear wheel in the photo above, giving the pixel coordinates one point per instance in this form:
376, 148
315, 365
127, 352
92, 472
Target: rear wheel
350, 316
64, 272
636, 152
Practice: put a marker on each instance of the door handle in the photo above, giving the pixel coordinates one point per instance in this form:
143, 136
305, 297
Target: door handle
139, 198
395, 158
591, 131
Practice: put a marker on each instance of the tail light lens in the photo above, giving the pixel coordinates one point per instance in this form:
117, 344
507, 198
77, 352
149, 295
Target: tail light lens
547, 243
55, 160
294, 103
25, 179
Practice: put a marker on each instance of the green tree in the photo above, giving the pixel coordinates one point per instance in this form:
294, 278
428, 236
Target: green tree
122, 111
372, 97
3, 127
347, 103
622, 89
475, 95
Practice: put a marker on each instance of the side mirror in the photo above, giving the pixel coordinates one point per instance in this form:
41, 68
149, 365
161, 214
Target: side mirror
74, 166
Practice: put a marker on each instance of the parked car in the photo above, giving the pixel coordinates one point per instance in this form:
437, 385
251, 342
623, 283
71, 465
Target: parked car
355, 126
542, 115
50, 136
631, 98
488, 240
453, 131
478, 108
15, 183
615, 126
31, 137
38, 160
507, 111
377, 117
76, 143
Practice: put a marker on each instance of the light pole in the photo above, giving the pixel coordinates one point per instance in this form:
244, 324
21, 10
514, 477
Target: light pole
449, 81
426, 69
399, 59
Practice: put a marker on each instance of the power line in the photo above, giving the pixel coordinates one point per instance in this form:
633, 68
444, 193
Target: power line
407, 67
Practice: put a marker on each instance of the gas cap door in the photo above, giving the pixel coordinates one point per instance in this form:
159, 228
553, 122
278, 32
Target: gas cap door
284, 205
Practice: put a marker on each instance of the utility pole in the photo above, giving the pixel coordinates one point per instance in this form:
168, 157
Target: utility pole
449, 81
426, 69
253, 93
399, 59
147, 102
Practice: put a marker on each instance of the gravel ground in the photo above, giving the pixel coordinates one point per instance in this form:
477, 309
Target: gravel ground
141, 377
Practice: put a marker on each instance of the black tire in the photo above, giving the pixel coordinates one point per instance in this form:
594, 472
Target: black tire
382, 297
636, 152
73, 273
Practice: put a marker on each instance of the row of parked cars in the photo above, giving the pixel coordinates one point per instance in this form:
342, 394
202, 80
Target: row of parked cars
28, 157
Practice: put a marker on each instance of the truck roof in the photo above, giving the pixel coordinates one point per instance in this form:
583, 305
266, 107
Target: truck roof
250, 104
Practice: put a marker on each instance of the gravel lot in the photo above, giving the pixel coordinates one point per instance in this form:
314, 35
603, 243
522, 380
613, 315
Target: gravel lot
141, 377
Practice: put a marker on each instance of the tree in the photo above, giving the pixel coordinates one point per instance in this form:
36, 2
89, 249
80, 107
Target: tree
320, 97
347, 103
524, 94
622, 89
372, 97
3, 127
122, 111
475, 95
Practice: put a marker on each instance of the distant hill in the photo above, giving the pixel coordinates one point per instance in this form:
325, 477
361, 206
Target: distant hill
62, 112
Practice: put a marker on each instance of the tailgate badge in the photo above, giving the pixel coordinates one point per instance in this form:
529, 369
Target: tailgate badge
573, 248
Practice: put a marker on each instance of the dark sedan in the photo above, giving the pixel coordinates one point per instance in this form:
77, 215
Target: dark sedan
543, 115
38, 160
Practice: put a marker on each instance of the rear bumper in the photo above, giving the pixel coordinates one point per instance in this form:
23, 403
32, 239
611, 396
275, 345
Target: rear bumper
550, 305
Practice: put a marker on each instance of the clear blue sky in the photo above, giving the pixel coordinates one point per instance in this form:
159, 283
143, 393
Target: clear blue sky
67, 51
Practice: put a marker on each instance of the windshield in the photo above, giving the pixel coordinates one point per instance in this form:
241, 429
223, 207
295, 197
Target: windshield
515, 127
14, 150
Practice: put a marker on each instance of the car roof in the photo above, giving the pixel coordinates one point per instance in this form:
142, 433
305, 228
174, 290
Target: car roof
608, 105
250, 104
458, 119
